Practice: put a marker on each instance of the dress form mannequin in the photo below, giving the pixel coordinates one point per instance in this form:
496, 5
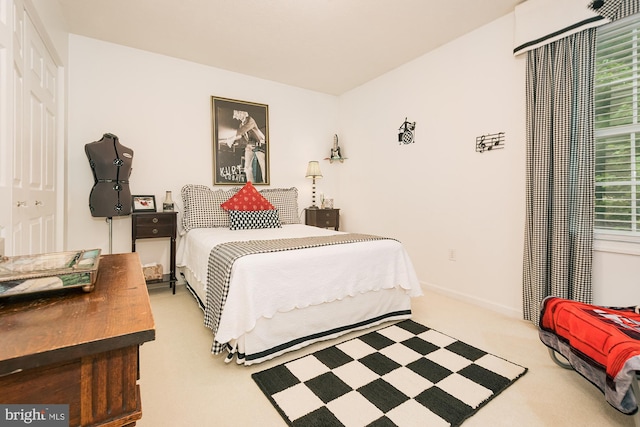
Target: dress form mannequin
110, 162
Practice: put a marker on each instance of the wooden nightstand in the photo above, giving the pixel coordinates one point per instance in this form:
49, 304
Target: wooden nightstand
323, 218
153, 225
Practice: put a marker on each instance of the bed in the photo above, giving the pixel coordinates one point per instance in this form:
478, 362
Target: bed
269, 289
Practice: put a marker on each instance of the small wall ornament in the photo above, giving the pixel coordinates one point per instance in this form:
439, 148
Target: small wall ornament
405, 136
489, 142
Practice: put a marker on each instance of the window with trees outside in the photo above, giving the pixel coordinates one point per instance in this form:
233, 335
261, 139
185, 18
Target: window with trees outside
617, 131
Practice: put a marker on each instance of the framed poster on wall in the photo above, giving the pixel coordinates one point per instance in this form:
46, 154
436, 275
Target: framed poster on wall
240, 142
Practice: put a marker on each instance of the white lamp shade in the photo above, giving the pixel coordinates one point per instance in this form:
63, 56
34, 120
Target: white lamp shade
313, 170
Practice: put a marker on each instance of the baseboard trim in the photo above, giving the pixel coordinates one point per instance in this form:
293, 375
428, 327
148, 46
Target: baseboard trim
507, 311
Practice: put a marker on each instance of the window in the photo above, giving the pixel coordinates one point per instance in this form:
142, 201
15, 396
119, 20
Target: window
617, 129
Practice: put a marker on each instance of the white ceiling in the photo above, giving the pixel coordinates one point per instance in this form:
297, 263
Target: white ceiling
329, 46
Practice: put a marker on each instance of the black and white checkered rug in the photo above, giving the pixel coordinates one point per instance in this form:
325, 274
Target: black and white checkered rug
403, 375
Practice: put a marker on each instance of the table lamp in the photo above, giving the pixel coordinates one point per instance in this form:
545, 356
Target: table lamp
313, 172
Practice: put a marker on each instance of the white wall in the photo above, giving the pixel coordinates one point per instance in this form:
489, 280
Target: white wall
50, 15
438, 194
161, 108
616, 271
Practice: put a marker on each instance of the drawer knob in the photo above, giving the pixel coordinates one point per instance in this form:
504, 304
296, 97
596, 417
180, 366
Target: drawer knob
154, 231
155, 220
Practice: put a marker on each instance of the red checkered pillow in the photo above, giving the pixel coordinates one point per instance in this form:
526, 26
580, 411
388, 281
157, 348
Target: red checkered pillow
247, 199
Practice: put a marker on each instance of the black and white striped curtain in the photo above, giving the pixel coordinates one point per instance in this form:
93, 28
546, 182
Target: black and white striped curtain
560, 165
560, 172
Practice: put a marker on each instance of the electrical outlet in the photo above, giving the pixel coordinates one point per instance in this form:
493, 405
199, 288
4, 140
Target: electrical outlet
452, 254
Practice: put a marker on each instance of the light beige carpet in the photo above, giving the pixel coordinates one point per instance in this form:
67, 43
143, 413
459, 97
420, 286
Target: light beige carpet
182, 384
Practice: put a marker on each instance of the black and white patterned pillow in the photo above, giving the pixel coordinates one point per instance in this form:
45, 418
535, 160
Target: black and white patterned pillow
285, 200
245, 220
202, 206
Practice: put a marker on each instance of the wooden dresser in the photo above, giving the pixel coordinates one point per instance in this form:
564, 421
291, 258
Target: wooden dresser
78, 348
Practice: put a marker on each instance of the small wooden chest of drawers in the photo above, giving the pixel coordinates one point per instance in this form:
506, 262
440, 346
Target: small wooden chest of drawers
324, 218
153, 225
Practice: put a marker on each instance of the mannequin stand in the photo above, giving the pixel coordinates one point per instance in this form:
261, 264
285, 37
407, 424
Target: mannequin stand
110, 221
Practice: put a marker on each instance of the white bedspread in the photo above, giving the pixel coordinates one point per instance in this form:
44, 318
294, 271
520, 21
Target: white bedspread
264, 284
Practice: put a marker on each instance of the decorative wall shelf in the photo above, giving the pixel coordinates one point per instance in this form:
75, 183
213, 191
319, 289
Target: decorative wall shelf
336, 155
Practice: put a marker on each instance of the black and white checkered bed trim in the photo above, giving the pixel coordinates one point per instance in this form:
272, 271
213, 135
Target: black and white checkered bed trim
223, 256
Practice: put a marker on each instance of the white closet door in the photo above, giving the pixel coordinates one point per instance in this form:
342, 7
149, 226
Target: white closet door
6, 121
34, 144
